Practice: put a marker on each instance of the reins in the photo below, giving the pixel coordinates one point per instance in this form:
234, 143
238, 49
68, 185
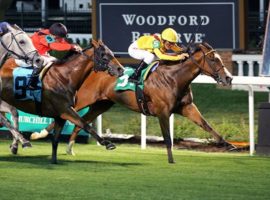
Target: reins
25, 56
202, 67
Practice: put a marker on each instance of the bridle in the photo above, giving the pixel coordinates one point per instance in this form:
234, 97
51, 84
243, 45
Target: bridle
214, 72
25, 55
102, 60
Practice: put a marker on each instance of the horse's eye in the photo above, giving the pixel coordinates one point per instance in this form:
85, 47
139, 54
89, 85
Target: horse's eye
22, 42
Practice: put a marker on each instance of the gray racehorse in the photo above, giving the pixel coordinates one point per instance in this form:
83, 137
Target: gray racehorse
16, 43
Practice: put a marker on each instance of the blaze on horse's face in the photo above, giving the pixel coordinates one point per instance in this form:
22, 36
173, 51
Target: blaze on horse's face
214, 67
104, 60
20, 46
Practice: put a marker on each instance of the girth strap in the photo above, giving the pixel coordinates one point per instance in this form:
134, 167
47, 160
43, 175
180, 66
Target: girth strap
141, 100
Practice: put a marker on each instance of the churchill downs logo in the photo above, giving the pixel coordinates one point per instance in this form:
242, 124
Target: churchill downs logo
170, 20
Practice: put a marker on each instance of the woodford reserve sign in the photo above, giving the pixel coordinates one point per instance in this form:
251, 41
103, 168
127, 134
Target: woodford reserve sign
118, 23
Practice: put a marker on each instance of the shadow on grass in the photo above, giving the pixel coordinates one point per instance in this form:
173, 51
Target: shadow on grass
45, 160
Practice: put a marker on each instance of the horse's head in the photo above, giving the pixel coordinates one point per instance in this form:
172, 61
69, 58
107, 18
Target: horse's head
19, 45
104, 59
211, 64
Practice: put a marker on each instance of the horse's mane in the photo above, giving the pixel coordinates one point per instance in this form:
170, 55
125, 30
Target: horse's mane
195, 47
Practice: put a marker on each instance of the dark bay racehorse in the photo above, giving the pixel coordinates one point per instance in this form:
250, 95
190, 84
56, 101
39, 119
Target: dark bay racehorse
16, 43
59, 87
167, 91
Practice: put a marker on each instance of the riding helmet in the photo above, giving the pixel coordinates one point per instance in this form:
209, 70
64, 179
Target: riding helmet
169, 34
58, 29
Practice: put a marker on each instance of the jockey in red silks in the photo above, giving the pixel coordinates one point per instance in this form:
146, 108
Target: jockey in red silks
46, 40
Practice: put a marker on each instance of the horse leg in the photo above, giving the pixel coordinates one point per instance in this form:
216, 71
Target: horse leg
191, 112
94, 111
5, 107
71, 115
164, 125
43, 133
59, 124
16, 135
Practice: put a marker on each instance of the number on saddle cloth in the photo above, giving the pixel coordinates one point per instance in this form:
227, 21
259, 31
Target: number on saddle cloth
21, 76
123, 81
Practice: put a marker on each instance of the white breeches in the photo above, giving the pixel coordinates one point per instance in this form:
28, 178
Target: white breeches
141, 54
47, 59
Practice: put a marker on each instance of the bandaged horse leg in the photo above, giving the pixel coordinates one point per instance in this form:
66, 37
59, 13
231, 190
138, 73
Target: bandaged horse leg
69, 149
95, 110
43, 133
73, 117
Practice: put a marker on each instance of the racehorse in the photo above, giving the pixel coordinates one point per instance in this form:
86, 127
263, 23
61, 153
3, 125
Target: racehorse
60, 84
16, 43
167, 90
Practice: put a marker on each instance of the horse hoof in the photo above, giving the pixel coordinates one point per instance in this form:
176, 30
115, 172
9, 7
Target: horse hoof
70, 152
231, 147
26, 145
14, 149
110, 146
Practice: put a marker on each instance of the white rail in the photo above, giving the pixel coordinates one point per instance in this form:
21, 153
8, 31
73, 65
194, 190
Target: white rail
253, 62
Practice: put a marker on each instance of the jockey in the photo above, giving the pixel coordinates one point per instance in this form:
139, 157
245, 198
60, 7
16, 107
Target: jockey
3, 27
46, 40
148, 47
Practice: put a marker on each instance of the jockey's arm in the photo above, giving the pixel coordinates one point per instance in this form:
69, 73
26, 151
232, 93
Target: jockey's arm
59, 46
163, 56
175, 48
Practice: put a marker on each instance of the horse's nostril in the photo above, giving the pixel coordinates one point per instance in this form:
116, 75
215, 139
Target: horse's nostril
38, 60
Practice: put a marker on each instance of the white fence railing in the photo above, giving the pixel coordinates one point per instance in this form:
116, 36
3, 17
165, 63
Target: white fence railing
80, 37
250, 66
253, 63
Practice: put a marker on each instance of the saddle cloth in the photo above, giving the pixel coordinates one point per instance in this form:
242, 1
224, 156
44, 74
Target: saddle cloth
21, 76
123, 82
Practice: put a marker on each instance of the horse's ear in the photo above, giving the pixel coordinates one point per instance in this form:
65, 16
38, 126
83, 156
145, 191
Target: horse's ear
95, 43
17, 27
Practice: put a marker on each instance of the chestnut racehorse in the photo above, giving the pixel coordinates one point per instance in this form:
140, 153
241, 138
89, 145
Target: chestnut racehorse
167, 90
60, 84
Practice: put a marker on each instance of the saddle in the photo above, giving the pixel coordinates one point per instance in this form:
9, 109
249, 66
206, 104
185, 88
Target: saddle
123, 84
21, 77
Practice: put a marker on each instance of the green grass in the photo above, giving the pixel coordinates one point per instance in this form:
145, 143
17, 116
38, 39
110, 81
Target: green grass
226, 110
131, 173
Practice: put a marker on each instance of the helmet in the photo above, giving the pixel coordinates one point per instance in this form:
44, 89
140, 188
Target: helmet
169, 34
58, 29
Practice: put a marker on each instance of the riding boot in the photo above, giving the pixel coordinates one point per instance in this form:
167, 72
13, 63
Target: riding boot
137, 73
32, 84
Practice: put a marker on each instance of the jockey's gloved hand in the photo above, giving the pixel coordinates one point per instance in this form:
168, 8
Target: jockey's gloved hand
183, 56
76, 48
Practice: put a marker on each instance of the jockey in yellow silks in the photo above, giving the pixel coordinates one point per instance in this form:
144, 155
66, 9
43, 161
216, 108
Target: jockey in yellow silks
151, 47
